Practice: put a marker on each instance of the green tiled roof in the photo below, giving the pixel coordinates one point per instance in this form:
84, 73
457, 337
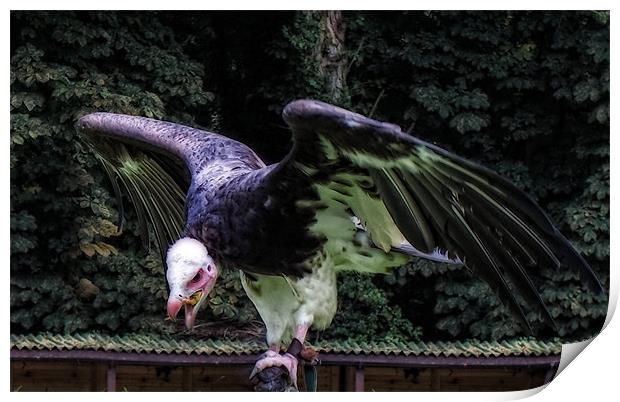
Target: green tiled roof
142, 343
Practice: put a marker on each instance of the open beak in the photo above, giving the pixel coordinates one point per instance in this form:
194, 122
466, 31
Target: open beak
191, 304
201, 285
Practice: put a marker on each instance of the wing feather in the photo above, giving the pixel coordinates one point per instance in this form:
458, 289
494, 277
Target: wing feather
157, 198
439, 201
155, 161
150, 161
404, 209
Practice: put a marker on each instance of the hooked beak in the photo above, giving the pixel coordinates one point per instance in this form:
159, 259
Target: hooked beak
192, 303
174, 305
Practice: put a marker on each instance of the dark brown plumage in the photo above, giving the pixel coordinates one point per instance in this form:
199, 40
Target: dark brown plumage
263, 219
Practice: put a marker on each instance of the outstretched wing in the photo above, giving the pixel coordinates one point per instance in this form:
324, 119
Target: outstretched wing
402, 187
153, 162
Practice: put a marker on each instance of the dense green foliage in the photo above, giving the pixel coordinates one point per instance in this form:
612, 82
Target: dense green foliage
66, 269
526, 93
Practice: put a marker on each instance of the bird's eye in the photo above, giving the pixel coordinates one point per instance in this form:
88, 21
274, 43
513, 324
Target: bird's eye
209, 268
197, 277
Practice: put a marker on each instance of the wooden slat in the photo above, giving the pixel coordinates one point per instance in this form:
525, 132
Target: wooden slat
149, 378
111, 378
328, 378
506, 379
221, 378
55, 376
398, 379
188, 383
98, 377
435, 380
349, 379
359, 379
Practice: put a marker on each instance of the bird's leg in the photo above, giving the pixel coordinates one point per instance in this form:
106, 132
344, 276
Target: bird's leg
301, 331
296, 350
307, 354
297, 344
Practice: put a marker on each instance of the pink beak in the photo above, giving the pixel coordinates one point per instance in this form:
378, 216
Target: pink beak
204, 285
174, 306
190, 316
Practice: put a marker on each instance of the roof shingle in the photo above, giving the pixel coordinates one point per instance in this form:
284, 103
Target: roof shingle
150, 343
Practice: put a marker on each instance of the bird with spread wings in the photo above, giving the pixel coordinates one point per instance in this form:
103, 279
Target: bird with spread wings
353, 194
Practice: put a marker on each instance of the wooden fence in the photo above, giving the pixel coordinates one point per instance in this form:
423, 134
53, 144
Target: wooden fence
101, 371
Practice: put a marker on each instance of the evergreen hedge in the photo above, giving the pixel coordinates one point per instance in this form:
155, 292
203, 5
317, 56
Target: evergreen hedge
525, 93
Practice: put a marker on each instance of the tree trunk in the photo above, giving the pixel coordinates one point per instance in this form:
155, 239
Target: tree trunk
332, 57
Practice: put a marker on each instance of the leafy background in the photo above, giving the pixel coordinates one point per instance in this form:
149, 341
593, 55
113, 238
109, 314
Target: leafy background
525, 93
